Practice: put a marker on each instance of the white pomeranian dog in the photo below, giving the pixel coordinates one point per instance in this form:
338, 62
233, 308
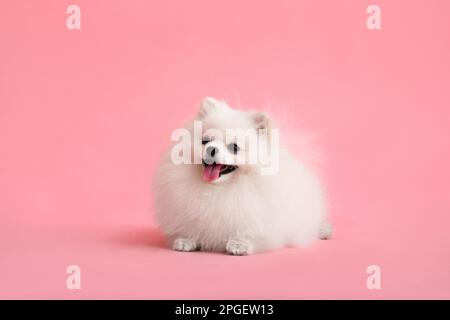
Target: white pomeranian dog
217, 191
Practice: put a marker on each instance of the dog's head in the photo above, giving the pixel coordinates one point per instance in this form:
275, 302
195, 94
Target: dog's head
231, 140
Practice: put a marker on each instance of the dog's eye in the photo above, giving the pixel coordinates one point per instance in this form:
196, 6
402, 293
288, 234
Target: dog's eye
205, 140
233, 147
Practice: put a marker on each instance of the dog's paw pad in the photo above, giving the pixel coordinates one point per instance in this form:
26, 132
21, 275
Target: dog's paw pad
238, 248
181, 244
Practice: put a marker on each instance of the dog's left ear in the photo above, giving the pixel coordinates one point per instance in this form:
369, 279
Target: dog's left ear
261, 120
208, 106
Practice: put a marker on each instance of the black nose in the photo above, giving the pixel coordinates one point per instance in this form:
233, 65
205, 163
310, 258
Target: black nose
211, 151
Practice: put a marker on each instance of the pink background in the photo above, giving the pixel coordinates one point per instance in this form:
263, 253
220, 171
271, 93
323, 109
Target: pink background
84, 116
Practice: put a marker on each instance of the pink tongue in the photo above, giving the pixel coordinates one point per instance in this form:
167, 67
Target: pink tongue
211, 172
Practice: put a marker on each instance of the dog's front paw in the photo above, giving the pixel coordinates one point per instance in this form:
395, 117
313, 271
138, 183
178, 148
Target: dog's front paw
239, 248
326, 231
182, 244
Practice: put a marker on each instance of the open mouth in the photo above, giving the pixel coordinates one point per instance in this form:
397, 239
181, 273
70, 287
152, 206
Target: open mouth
214, 171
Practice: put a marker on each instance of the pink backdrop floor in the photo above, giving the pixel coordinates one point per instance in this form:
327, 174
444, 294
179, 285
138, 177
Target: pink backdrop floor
85, 114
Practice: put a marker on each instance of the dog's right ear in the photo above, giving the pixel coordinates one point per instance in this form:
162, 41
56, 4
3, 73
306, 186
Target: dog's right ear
261, 120
208, 106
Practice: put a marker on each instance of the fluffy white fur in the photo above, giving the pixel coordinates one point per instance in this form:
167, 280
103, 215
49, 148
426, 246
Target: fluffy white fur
243, 212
